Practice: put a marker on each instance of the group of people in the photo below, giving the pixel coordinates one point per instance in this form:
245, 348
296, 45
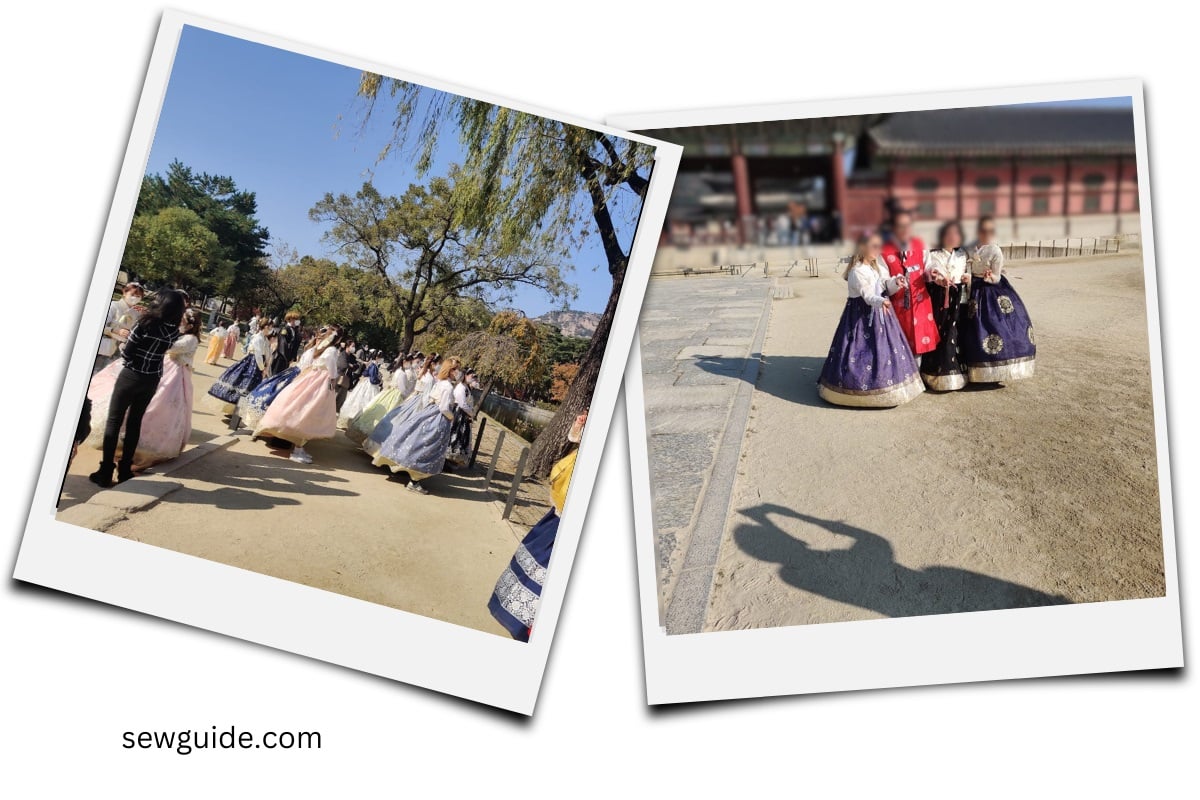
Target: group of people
409, 419
408, 414
142, 384
918, 318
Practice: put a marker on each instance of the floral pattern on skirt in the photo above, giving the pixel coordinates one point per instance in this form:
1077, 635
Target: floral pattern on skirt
514, 602
996, 334
869, 364
253, 406
237, 381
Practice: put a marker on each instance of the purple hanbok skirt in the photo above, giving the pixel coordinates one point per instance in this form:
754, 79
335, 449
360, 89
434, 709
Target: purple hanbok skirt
996, 335
869, 364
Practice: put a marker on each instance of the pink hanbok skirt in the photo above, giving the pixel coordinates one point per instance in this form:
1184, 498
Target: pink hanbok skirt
305, 410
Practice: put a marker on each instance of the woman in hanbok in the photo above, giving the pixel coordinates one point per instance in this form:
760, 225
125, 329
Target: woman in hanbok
306, 409
518, 593
869, 364
384, 403
464, 403
252, 407
244, 376
949, 283
364, 392
418, 444
167, 423
232, 335
382, 425
997, 335
216, 344
904, 255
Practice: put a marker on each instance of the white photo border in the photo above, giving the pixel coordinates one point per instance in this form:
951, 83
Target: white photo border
1111, 636
290, 616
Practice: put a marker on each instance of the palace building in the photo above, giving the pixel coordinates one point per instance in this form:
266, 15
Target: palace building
1042, 170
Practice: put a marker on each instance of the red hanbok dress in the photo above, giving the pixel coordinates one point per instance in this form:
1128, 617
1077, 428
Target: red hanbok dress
914, 310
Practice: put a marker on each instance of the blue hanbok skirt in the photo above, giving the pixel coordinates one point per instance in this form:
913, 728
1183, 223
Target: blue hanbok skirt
417, 445
252, 407
996, 334
237, 381
870, 364
515, 599
390, 421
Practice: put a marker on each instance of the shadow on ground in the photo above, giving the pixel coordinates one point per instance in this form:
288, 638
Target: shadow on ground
790, 378
866, 574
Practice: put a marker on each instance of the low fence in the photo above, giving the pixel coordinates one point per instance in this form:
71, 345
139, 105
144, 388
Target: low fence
1071, 247
503, 456
526, 419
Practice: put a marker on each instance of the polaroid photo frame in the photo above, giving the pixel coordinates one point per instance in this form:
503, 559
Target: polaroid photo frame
275, 612
704, 662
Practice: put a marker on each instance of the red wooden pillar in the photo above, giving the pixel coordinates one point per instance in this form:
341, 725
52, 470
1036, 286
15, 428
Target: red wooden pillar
742, 192
839, 177
1117, 191
1012, 194
1066, 196
958, 189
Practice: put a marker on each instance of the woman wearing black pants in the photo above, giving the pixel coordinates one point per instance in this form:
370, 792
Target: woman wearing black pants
142, 365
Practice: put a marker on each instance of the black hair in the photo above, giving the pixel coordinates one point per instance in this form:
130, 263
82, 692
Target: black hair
986, 218
942, 231
168, 307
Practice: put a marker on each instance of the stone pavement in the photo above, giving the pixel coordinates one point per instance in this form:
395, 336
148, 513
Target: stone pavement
700, 339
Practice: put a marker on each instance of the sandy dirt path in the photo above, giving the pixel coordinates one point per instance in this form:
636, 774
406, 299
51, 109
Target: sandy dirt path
1044, 491
338, 524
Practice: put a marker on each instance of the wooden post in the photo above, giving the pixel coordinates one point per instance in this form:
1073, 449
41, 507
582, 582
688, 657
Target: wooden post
495, 457
1117, 193
518, 476
478, 441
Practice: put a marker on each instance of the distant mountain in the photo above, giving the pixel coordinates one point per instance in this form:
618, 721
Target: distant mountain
572, 323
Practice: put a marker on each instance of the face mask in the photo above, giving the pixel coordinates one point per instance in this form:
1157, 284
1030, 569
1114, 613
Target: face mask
132, 300
458, 376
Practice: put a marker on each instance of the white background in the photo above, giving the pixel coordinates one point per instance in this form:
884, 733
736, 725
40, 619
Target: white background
77, 674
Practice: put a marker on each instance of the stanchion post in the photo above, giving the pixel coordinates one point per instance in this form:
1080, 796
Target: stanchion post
518, 476
478, 441
495, 457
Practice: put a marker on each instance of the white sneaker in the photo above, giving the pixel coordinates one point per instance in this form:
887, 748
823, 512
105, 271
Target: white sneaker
413, 486
300, 456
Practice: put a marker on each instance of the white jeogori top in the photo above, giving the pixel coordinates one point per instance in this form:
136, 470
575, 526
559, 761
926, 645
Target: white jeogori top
260, 348
870, 282
327, 361
949, 265
184, 350
402, 382
442, 395
987, 257
462, 398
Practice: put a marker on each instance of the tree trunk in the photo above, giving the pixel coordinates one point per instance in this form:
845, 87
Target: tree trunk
551, 444
406, 339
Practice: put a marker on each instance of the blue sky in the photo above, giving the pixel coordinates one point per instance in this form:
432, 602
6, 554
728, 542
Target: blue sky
287, 127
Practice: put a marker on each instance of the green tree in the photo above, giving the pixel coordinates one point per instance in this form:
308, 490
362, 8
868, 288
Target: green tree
229, 212
175, 247
424, 256
523, 178
509, 352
